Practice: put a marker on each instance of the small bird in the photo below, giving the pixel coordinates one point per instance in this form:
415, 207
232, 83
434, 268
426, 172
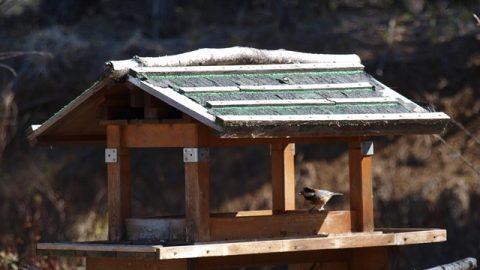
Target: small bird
317, 197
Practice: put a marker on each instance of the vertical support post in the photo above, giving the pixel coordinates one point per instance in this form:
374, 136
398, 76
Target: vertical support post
283, 176
119, 183
361, 194
197, 197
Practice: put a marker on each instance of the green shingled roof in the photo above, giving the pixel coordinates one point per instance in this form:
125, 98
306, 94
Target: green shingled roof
320, 99
281, 100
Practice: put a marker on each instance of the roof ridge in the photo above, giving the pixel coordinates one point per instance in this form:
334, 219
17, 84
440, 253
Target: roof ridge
226, 56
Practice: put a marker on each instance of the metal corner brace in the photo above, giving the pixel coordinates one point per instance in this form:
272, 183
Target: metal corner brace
196, 155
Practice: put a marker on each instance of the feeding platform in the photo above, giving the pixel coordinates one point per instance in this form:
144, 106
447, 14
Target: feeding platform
199, 107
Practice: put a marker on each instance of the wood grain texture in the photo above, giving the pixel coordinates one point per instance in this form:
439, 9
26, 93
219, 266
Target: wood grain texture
197, 210
283, 246
197, 194
283, 176
290, 224
351, 240
241, 226
361, 193
119, 185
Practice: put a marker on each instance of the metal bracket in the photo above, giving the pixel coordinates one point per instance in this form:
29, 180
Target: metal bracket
111, 155
367, 148
195, 154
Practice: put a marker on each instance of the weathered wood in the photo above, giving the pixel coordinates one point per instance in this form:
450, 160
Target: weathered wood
292, 102
119, 184
197, 209
160, 135
275, 87
146, 134
353, 240
289, 224
283, 176
228, 120
329, 86
361, 194
244, 225
235, 248
197, 201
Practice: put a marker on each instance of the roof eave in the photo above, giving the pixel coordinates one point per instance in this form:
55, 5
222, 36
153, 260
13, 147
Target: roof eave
375, 127
37, 131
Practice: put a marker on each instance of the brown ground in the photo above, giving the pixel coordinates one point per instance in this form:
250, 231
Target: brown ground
430, 53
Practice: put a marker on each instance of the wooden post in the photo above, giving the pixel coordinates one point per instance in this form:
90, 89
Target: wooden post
197, 209
361, 194
119, 183
283, 177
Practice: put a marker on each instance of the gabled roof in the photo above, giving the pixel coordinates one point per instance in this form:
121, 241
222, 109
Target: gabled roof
284, 100
280, 100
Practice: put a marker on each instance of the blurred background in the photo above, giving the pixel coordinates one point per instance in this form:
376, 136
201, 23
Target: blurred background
51, 50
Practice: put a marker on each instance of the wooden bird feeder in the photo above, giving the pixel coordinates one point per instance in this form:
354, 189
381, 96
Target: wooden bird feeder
195, 108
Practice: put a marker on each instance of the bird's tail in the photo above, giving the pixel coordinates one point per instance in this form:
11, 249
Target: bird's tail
337, 194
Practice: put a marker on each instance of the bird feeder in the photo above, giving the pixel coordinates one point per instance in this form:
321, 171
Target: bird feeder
198, 107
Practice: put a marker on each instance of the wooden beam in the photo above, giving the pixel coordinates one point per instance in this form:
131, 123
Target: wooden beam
197, 209
119, 184
286, 245
197, 220
147, 134
283, 177
236, 248
361, 194
244, 225
290, 224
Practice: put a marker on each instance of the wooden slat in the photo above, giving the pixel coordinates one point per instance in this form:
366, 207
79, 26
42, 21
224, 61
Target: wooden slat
269, 102
363, 100
283, 176
354, 240
208, 89
119, 185
268, 119
292, 224
237, 248
361, 194
146, 134
297, 102
288, 87
249, 68
276, 87
97, 246
244, 225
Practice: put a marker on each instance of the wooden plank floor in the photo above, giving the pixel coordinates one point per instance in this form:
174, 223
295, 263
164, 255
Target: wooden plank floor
381, 237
